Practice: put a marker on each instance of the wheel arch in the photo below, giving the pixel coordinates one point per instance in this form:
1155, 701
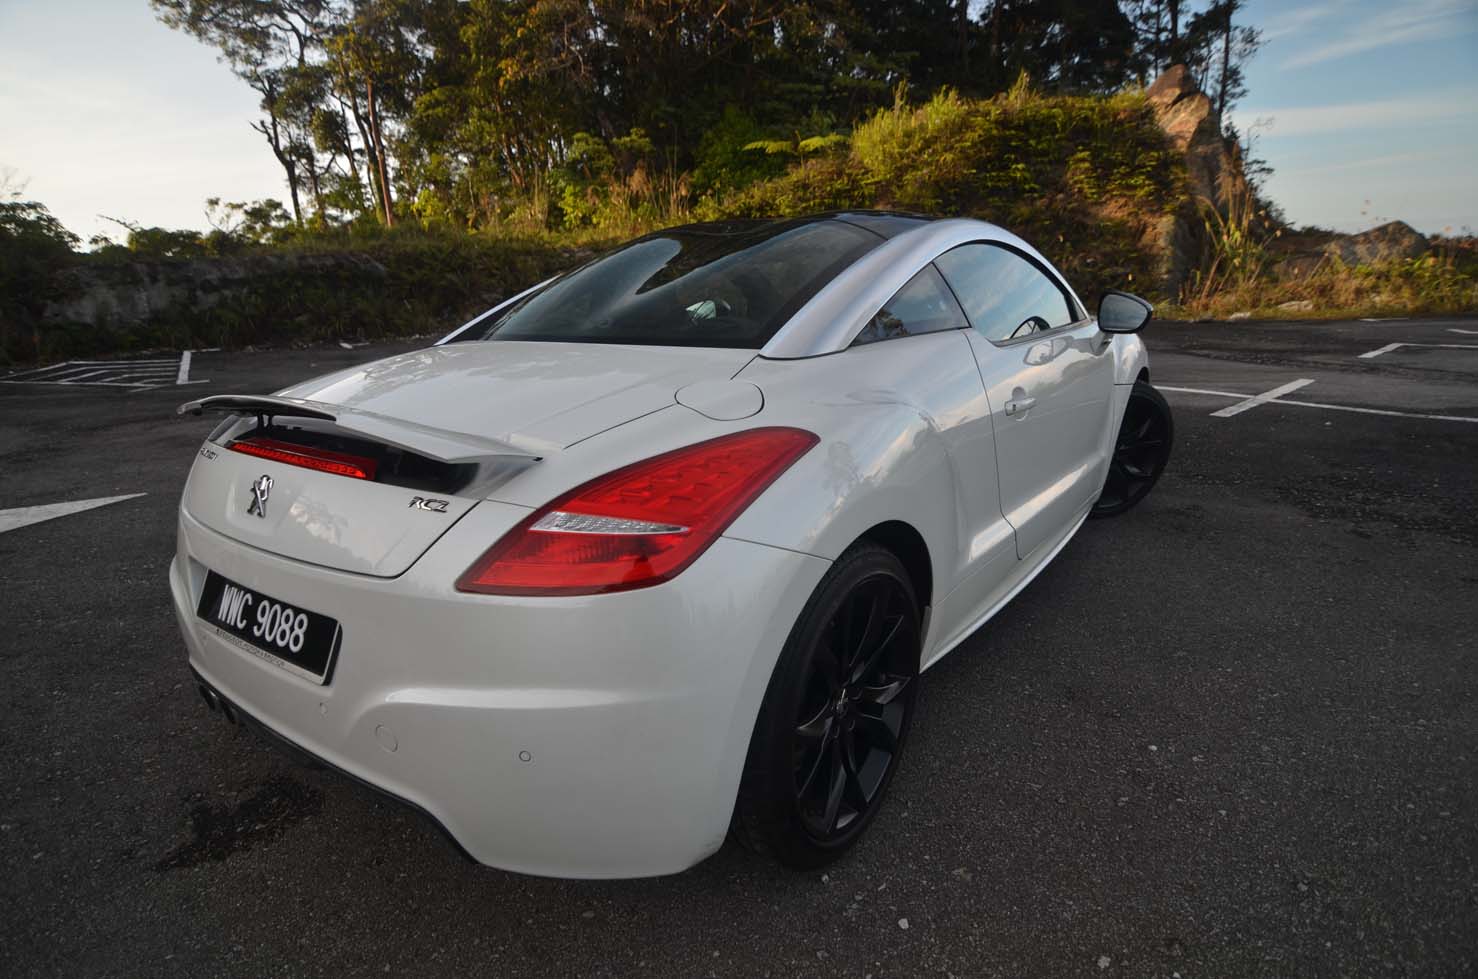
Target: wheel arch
909, 546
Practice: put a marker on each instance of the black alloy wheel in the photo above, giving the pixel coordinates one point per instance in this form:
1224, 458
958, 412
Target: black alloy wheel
1140, 452
858, 695
834, 721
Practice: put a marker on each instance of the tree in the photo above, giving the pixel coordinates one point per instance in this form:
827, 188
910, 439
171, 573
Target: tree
1073, 45
33, 245
373, 48
267, 43
466, 112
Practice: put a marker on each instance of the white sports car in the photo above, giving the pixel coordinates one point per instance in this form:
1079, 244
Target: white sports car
656, 551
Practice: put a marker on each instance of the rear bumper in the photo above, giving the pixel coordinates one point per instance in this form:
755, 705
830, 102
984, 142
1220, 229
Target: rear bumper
234, 714
593, 736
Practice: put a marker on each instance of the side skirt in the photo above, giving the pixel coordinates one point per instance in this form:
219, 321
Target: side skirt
948, 646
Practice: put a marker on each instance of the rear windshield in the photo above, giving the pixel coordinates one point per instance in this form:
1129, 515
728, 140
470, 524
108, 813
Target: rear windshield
696, 287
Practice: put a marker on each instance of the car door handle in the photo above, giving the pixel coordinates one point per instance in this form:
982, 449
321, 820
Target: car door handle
1020, 406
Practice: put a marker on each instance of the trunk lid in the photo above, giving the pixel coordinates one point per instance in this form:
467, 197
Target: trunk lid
540, 396
445, 424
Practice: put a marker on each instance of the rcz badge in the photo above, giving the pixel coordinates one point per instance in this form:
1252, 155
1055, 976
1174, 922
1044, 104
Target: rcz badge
261, 488
426, 503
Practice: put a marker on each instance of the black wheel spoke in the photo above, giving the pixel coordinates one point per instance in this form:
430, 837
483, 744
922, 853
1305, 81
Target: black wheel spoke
830, 665
855, 794
877, 732
856, 652
889, 634
835, 788
819, 726
813, 770
884, 693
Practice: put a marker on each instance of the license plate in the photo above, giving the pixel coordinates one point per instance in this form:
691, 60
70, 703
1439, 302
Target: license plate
293, 638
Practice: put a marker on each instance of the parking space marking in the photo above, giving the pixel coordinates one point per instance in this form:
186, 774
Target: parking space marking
1262, 399
24, 516
1381, 350
1390, 412
138, 375
1378, 351
1471, 333
1217, 394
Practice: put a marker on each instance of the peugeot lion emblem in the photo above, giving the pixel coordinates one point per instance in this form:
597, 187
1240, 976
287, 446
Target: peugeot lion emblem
261, 488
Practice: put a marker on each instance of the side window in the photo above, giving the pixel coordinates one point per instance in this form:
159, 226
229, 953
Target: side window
923, 305
1005, 296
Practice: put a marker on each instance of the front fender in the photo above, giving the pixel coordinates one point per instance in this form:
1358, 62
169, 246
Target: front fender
1130, 357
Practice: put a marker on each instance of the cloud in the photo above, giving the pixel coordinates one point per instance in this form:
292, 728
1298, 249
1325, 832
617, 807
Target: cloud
1366, 164
1370, 115
1424, 20
1295, 21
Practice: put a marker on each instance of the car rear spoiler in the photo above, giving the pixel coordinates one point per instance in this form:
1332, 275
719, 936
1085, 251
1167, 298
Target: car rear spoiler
444, 446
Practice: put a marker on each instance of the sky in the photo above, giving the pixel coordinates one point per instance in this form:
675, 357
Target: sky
1367, 111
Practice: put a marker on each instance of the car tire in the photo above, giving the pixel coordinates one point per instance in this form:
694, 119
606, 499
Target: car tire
1141, 450
836, 714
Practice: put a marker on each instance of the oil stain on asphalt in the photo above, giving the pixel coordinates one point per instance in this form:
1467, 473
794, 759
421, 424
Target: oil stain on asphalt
220, 830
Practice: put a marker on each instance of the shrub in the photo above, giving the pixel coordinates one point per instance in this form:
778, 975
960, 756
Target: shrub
1435, 283
33, 245
1084, 179
346, 284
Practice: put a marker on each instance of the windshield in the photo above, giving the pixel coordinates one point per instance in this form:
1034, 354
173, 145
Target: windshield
714, 286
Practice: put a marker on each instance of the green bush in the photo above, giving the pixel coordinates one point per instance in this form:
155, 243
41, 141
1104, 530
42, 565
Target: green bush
33, 246
1083, 179
825, 184
341, 285
1436, 283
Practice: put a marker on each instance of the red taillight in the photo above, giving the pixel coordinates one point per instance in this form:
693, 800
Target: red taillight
640, 525
307, 456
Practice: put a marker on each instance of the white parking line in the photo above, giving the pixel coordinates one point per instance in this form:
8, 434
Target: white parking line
1318, 404
1380, 411
1371, 354
1216, 394
1382, 350
24, 516
1471, 333
138, 375
1261, 399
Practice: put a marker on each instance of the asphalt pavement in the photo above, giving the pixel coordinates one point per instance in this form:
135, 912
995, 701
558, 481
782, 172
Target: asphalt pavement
1231, 733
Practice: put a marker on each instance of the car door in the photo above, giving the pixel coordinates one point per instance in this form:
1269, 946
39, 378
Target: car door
1048, 375
946, 388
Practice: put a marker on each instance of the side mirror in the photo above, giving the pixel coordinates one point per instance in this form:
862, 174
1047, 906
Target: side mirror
1121, 312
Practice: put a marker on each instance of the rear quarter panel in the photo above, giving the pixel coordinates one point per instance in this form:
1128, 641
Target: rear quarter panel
905, 435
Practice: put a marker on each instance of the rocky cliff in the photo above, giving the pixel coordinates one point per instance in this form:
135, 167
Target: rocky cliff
1213, 171
1216, 178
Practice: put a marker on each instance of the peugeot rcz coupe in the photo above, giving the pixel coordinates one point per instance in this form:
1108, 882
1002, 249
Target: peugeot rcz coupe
655, 552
